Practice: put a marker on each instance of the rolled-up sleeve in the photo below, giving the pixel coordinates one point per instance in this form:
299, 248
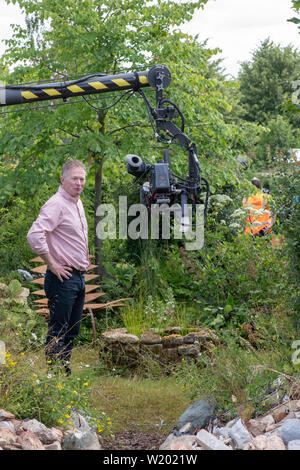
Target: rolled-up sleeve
47, 221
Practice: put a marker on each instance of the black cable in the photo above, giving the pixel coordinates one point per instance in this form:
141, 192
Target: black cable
166, 100
110, 106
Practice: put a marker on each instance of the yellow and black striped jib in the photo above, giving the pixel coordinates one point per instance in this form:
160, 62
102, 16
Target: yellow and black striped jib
18, 94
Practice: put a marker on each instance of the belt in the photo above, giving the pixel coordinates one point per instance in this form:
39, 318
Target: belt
77, 271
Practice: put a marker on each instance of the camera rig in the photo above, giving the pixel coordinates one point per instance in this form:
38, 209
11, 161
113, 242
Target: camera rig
163, 185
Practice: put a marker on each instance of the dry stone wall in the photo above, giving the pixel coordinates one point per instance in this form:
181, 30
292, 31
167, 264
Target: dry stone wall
168, 346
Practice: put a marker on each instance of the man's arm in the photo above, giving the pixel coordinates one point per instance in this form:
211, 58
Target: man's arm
47, 221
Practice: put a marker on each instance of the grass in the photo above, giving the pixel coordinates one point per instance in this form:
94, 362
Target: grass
122, 402
143, 403
132, 400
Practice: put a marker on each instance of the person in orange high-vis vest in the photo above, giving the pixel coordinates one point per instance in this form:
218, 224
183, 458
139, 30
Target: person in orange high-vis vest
260, 221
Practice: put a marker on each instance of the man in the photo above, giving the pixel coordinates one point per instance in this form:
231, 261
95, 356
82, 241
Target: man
259, 222
60, 236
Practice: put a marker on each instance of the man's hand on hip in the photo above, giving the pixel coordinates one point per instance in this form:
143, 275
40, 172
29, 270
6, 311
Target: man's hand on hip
62, 272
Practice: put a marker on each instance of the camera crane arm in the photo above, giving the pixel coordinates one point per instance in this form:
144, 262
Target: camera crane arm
91, 84
158, 77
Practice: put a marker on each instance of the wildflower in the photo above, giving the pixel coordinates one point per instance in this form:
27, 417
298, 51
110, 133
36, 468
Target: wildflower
60, 421
22, 353
68, 416
69, 406
60, 386
75, 391
85, 384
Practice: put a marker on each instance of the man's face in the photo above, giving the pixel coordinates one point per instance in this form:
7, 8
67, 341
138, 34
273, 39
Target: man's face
74, 181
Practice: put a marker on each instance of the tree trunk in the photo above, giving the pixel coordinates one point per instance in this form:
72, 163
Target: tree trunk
98, 201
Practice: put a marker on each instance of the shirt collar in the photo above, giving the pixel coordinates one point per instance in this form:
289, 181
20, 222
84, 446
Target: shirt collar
67, 196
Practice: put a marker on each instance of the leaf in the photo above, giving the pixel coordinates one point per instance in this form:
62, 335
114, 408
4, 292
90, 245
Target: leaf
227, 309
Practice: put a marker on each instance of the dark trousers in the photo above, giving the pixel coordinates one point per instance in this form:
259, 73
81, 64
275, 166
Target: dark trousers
65, 302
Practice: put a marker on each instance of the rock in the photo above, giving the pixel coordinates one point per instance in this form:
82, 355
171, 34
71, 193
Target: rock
275, 443
186, 429
189, 338
4, 415
7, 438
59, 435
30, 441
280, 416
222, 432
294, 445
272, 427
54, 446
290, 430
119, 336
26, 275
188, 350
169, 354
198, 413
172, 330
264, 442
210, 442
77, 440
150, 338
187, 442
45, 435
82, 437
293, 405
259, 442
240, 435
7, 425
172, 340
154, 349
255, 427
24, 293
266, 420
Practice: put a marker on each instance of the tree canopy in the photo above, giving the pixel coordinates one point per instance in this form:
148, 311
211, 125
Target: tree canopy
68, 39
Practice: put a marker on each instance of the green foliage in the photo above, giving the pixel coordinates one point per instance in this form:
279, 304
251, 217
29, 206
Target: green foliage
243, 382
156, 313
296, 7
20, 327
275, 141
266, 81
16, 218
47, 397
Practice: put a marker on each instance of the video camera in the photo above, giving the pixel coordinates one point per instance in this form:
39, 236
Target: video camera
161, 187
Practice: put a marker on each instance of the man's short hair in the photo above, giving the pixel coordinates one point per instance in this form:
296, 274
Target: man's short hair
256, 182
71, 164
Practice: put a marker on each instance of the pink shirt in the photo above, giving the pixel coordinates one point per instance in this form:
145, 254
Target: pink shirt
61, 230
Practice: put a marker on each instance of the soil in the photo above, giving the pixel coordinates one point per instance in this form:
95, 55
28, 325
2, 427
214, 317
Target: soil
133, 440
